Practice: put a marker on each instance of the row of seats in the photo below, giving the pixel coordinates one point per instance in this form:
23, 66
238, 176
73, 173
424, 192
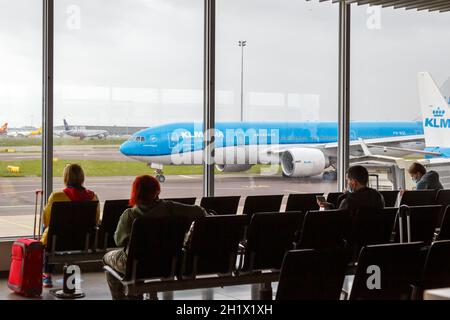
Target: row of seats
384, 272
270, 203
217, 245
70, 217
235, 246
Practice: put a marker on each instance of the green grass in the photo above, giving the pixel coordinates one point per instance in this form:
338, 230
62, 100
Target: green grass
22, 142
95, 168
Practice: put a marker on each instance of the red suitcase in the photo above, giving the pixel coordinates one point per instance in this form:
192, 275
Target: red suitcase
27, 258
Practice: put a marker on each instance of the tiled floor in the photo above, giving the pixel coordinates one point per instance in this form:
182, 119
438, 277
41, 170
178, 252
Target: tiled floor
95, 287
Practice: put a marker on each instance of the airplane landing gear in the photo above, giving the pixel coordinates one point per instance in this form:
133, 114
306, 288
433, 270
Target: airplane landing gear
159, 175
329, 176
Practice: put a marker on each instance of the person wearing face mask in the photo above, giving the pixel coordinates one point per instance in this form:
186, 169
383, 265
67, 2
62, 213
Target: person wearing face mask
424, 180
358, 195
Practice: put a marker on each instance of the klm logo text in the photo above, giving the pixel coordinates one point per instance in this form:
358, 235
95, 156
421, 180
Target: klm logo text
437, 123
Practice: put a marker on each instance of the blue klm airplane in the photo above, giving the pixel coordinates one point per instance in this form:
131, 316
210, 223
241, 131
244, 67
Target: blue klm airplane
303, 149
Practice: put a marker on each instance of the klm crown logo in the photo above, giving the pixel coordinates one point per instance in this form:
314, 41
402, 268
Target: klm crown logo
438, 120
438, 113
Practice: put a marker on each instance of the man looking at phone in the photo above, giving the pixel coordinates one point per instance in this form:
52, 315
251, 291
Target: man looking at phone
358, 195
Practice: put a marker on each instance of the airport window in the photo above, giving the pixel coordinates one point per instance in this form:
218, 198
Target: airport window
392, 61
118, 74
277, 86
21, 114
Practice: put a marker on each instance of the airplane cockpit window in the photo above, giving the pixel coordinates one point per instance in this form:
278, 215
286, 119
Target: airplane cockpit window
136, 139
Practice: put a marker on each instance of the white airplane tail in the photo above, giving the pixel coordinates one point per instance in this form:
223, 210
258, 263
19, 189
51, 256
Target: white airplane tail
435, 113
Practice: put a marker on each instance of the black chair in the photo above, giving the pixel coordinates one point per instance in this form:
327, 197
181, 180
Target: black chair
254, 204
388, 271
436, 273
371, 226
214, 245
269, 236
303, 202
154, 250
423, 221
443, 199
418, 197
312, 275
72, 227
112, 210
333, 198
324, 230
390, 197
221, 205
189, 201
444, 231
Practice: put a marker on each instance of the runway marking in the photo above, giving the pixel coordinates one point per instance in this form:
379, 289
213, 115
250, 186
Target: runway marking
255, 186
16, 192
187, 177
16, 224
17, 206
292, 191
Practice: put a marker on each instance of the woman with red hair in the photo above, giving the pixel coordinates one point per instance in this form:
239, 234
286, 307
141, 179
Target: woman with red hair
144, 201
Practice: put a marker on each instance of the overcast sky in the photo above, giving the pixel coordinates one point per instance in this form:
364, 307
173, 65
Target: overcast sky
139, 62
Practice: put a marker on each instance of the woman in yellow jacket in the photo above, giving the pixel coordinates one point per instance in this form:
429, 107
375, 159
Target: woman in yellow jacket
74, 191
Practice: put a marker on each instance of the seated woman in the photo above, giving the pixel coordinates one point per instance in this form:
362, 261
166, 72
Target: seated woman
145, 202
424, 180
74, 191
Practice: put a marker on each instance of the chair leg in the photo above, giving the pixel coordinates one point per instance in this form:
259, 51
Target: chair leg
167, 295
153, 295
265, 291
255, 291
208, 294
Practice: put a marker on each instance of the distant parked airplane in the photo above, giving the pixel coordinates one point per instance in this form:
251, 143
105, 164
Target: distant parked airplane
4, 129
83, 133
24, 133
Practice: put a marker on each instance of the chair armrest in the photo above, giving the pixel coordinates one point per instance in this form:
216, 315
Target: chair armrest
113, 272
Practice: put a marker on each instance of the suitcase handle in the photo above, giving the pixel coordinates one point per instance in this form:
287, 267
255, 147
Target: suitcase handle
38, 192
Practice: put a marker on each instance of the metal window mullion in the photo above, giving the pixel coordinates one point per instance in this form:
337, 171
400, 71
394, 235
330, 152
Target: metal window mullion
344, 94
209, 97
47, 99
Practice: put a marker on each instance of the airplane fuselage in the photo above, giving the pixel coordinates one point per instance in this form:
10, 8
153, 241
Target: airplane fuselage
245, 142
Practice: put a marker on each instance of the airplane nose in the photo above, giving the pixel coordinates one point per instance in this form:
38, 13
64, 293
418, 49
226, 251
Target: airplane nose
124, 148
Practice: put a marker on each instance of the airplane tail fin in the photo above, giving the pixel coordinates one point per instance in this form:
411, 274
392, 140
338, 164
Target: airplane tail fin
435, 113
66, 125
4, 127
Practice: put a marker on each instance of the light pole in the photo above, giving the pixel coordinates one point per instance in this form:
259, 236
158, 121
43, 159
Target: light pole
242, 44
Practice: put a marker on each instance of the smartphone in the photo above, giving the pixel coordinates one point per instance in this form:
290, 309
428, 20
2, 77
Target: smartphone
321, 199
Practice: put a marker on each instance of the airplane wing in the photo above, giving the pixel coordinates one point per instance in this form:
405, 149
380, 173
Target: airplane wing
368, 147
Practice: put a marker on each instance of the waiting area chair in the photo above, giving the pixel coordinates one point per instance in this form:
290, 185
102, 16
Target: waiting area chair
269, 237
444, 230
269, 203
155, 251
302, 202
72, 232
418, 197
390, 197
221, 205
213, 246
188, 201
417, 223
324, 230
388, 271
112, 210
370, 226
312, 275
436, 272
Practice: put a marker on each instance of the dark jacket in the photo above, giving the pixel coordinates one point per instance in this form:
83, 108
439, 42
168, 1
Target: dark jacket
363, 198
429, 181
159, 208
